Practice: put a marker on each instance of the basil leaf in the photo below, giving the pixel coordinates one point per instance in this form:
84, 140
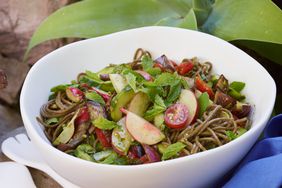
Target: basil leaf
166, 79
237, 86
102, 155
172, 150
159, 102
203, 103
173, 94
84, 151
154, 71
93, 76
147, 62
113, 158
159, 107
93, 96
104, 124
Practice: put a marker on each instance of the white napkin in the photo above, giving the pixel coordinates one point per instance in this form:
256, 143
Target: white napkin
14, 175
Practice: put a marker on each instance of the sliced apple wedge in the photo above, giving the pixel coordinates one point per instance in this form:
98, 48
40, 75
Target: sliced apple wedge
188, 98
121, 139
142, 130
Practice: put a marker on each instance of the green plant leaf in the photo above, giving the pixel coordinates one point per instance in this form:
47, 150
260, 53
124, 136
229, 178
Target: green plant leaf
103, 123
202, 9
268, 50
187, 22
249, 20
180, 6
91, 18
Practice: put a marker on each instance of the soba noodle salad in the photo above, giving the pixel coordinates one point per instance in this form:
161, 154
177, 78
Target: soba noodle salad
145, 111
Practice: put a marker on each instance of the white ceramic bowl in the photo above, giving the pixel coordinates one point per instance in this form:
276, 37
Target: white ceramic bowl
202, 169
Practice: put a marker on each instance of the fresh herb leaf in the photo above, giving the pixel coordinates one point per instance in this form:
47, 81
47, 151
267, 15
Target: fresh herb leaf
154, 71
237, 86
104, 124
93, 76
147, 62
184, 83
159, 102
203, 103
159, 107
173, 94
84, 151
102, 155
131, 80
166, 79
93, 96
113, 158
62, 87
231, 135
172, 150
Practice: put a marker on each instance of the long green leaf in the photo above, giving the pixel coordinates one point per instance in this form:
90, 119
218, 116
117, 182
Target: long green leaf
258, 20
187, 22
91, 18
180, 6
268, 50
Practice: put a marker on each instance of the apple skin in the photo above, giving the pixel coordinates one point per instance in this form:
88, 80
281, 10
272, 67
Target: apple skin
142, 130
188, 98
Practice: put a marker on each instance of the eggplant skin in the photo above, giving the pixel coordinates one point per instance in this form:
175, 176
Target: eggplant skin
224, 100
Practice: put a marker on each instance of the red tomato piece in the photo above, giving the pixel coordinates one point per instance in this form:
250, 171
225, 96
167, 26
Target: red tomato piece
203, 87
185, 67
176, 116
104, 137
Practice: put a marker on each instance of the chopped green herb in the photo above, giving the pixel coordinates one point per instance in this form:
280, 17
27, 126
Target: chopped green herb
172, 150
84, 151
158, 108
154, 71
104, 124
167, 79
147, 62
174, 93
93, 96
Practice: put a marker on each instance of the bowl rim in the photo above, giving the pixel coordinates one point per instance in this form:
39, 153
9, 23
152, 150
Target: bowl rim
35, 137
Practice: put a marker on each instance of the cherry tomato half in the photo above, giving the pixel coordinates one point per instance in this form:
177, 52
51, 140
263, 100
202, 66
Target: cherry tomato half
185, 67
176, 116
203, 86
